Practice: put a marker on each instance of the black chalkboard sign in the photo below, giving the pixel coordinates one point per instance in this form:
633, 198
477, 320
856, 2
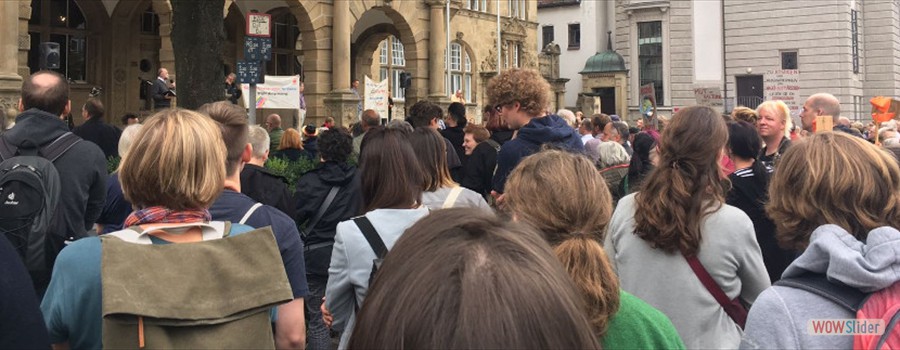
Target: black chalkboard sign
257, 49
250, 72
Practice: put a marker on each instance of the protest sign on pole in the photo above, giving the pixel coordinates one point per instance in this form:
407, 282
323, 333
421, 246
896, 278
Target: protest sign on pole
376, 96
784, 85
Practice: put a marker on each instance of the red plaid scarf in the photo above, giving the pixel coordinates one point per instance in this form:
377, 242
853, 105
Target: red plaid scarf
159, 214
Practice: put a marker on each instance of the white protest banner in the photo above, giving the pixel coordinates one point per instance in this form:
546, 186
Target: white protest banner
376, 96
784, 85
709, 96
282, 92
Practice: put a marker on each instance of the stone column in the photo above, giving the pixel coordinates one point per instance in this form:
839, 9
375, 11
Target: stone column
340, 39
436, 46
341, 103
10, 80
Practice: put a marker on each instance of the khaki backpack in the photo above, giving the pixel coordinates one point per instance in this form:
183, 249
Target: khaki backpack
208, 294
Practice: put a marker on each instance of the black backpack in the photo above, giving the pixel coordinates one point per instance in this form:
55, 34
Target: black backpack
29, 199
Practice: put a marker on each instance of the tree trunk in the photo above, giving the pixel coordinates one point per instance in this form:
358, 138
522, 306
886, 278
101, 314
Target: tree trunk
197, 37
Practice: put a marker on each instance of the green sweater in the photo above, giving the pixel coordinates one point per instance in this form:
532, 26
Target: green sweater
275, 139
638, 325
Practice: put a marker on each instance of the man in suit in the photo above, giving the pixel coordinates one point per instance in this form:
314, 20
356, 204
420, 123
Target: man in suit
161, 87
95, 130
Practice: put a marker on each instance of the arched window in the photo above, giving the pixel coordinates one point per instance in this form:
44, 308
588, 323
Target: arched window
392, 60
287, 54
62, 22
460, 71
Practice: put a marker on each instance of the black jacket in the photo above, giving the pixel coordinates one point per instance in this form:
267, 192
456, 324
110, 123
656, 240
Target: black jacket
456, 136
479, 168
233, 91
311, 148
749, 194
267, 188
312, 189
82, 171
159, 94
104, 135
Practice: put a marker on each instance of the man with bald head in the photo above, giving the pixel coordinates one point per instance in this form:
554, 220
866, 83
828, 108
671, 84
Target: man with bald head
818, 105
273, 126
82, 168
370, 119
162, 90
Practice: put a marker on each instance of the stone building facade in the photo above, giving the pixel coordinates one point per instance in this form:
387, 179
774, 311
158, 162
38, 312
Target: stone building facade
113, 44
848, 48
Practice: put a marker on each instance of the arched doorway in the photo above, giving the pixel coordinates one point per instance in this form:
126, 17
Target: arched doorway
135, 56
382, 47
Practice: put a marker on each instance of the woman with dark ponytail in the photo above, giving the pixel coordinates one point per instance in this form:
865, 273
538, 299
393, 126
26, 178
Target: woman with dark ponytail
572, 214
641, 163
749, 192
678, 227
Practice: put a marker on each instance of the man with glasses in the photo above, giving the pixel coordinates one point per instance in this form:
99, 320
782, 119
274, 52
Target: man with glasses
521, 97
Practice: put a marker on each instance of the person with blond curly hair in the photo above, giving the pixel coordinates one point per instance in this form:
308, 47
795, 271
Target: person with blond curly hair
521, 96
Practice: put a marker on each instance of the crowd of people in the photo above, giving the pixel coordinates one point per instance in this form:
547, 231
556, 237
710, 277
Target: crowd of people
530, 230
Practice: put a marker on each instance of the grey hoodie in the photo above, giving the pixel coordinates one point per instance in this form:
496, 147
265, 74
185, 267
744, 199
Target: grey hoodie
779, 318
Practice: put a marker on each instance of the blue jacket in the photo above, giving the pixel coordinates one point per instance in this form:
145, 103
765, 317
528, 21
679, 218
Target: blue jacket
539, 131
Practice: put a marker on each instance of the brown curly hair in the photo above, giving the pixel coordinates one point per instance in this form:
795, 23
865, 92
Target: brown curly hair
833, 178
525, 86
685, 186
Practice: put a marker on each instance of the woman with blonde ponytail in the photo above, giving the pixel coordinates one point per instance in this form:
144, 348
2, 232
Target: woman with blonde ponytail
565, 197
678, 227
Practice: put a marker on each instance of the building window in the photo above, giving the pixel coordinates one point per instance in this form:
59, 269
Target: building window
517, 9
547, 32
789, 60
62, 22
516, 49
574, 36
149, 22
287, 56
650, 53
854, 39
460, 71
477, 5
393, 62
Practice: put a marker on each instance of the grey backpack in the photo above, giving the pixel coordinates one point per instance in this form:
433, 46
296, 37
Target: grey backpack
29, 199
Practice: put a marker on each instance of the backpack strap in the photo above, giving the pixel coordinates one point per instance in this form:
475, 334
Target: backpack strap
371, 236
59, 146
327, 203
493, 144
847, 297
249, 213
451, 198
733, 309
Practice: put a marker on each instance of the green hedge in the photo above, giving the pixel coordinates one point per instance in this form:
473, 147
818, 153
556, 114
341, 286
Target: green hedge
291, 170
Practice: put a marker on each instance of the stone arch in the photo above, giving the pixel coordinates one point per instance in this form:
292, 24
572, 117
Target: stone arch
369, 42
363, 48
130, 46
